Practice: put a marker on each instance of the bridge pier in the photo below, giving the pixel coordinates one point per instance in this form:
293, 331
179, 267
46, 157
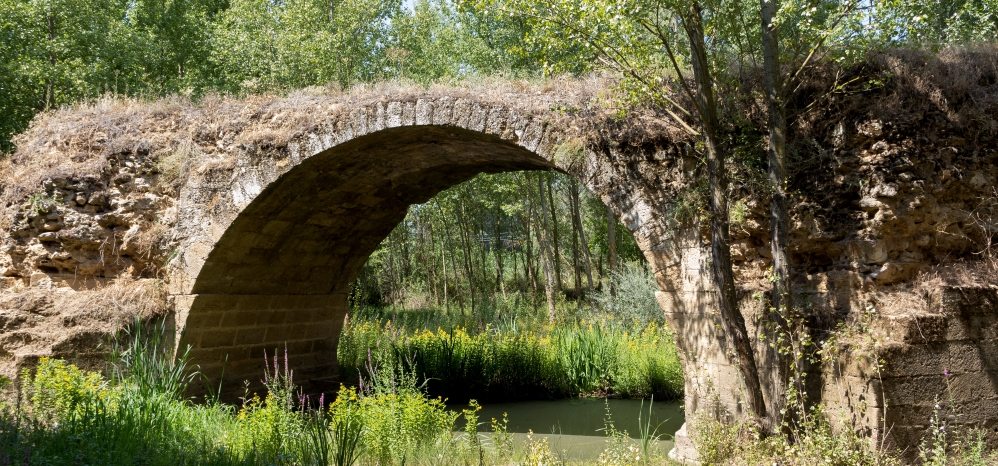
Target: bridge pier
228, 336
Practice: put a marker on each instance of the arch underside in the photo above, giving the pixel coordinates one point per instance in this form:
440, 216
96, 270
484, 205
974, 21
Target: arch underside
280, 274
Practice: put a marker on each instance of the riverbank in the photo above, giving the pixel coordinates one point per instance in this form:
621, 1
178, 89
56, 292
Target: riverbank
138, 415
520, 358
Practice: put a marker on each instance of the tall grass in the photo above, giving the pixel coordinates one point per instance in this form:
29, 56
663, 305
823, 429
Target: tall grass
138, 415
65, 415
532, 361
615, 345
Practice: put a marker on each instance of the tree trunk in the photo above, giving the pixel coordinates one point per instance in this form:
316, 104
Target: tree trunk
453, 261
723, 275
777, 159
782, 300
528, 260
547, 257
432, 274
554, 232
467, 255
576, 262
577, 222
497, 247
611, 247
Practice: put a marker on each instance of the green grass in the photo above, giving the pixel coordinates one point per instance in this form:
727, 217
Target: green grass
137, 416
461, 359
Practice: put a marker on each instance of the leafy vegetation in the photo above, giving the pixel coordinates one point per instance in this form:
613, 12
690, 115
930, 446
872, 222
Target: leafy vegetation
526, 362
67, 415
477, 246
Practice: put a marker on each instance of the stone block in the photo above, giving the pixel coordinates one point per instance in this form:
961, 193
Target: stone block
910, 360
969, 356
970, 300
844, 416
901, 391
250, 336
478, 115
213, 302
246, 369
273, 317
533, 134
972, 327
913, 329
852, 392
204, 319
279, 333
912, 416
216, 338
393, 114
325, 346
253, 303
461, 112
443, 110
236, 319
972, 386
219, 355
495, 120
905, 439
304, 347
424, 112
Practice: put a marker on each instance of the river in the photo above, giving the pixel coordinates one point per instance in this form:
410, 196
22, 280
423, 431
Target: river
575, 428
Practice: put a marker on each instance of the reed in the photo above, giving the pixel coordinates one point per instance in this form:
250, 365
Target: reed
534, 360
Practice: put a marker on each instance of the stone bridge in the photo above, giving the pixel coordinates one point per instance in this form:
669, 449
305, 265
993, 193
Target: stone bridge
258, 214
272, 246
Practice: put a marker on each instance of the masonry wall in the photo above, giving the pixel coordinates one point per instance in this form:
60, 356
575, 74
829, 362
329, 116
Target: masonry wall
908, 370
231, 335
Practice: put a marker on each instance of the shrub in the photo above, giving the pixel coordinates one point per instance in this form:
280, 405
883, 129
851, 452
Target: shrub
630, 296
60, 391
400, 426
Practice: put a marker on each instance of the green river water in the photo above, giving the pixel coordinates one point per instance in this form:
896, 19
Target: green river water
574, 427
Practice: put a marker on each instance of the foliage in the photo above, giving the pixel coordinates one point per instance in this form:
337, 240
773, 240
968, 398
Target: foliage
61, 391
402, 425
935, 23
813, 443
535, 358
71, 416
630, 296
474, 246
57, 52
146, 361
620, 450
261, 45
347, 427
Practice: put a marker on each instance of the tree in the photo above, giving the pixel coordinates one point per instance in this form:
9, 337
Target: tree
261, 44
162, 46
932, 23
640, 39
58, 54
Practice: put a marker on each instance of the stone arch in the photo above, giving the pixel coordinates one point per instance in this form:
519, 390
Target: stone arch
278, 240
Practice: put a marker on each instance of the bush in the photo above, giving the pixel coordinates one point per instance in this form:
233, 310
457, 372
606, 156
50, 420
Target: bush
630, 297
400, 426
60, 391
